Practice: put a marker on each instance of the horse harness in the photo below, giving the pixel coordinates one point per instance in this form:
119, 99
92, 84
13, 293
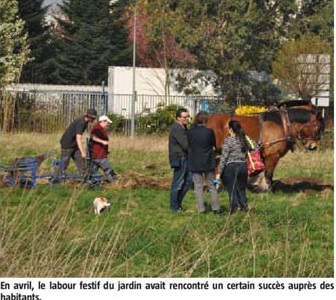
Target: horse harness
286, 125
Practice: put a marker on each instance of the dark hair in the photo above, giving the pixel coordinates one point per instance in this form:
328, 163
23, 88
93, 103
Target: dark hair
180, 111
240, 134
201, 118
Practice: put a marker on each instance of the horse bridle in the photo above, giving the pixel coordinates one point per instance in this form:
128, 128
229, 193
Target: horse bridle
287, 130
318, 135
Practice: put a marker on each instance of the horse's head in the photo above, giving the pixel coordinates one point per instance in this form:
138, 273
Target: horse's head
311, 132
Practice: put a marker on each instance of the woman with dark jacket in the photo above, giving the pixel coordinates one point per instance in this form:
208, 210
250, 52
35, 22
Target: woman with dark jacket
233, 168
201, 158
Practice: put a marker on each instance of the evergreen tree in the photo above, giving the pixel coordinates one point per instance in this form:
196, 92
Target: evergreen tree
93, 37
33, 13
316, 17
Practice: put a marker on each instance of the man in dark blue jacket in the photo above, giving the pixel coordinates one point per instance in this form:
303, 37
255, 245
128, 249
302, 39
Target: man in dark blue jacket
202, 143
178, 159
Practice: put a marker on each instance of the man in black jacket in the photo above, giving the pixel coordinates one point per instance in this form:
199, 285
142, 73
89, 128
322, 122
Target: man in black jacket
202, 142
71, 141
178, 159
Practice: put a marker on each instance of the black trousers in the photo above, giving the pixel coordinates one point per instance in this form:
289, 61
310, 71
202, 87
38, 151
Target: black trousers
234, 178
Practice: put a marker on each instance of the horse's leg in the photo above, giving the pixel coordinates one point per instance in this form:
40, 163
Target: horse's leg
271, 162
269, 179
263, 182
257, 183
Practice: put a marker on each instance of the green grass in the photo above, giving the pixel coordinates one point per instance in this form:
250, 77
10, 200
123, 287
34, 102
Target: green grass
53, 232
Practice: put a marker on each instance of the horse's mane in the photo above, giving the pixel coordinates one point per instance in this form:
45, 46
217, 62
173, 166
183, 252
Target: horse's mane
298, 115
292, 103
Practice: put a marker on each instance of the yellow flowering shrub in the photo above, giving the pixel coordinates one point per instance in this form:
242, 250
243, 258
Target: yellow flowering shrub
249, 110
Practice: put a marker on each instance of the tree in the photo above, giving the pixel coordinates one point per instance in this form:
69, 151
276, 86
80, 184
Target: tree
14, 53
155, 41
230, 38
14, 43
156, 44
316, 17
300, 66
34, 15
93, 37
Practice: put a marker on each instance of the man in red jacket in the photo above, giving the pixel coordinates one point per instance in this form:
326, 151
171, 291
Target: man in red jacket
99, 141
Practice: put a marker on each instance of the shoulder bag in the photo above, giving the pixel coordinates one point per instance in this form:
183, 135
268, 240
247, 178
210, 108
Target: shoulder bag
254, 160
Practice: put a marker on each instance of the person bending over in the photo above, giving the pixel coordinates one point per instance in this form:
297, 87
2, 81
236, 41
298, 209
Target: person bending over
71, 141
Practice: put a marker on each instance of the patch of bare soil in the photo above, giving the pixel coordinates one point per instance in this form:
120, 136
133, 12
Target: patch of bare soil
132, 180
302, 184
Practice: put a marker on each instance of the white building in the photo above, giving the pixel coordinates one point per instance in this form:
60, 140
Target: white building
153, 81
153, 86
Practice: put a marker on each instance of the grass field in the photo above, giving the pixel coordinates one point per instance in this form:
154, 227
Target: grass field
51, 231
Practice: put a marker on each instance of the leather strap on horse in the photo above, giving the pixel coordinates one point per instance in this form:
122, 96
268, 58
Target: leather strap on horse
284, 120
286, 128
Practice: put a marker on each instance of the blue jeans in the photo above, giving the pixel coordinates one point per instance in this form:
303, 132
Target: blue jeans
103, 163
181, 183
234, 178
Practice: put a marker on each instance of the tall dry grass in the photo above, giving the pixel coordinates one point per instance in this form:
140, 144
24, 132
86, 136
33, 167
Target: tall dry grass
52, 231
13, 145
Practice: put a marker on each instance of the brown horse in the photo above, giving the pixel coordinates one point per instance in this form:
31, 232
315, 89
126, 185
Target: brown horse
277, 132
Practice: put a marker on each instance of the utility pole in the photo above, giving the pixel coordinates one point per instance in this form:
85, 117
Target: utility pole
134, 94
